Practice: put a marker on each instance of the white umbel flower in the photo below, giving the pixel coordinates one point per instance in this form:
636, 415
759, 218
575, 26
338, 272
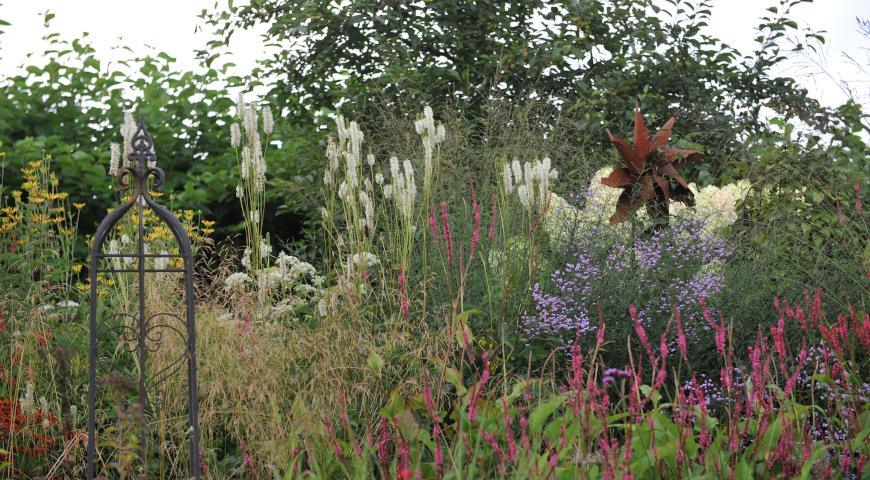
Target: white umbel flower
236, 281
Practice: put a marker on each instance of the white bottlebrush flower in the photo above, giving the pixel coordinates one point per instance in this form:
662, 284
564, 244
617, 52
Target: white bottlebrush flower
250, 121
240, 192
246, 258
508, 179
240, 106
246, 162
235, 135
128, 129
125, 239
379, 178
268, 121
265, 248
342, 191
518, 171
236, 281
388, 191
324, 213
43, 405
114, 159
27, 403
370, 159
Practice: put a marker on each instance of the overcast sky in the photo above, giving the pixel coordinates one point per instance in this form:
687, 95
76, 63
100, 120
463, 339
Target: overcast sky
172, 26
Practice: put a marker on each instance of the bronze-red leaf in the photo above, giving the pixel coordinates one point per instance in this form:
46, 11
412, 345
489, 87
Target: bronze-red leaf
663, 135
629, 157
671, 171
641, 135
618, 178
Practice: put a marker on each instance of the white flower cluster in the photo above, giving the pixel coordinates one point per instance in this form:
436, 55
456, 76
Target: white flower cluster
715, 206
432, 136
403, 190
282, 288
253, 162
531, 182
236, 282
363, 260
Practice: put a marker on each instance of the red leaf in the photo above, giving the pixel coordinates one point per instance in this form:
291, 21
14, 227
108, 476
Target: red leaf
664, 186
671, 171
619, 177
663, 135
629, 157
641, 135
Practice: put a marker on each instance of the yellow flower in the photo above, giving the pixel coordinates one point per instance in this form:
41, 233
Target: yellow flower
83, 287
208, 223
58, 196
16, 194
155, 194
40, 218
78, 206
57, 209
207, 231
77, 268
107, 281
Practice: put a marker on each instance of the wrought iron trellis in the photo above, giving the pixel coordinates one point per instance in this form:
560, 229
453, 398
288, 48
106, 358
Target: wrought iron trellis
142, 167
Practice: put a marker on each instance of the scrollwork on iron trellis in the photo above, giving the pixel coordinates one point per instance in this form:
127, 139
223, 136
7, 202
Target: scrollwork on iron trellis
145, 336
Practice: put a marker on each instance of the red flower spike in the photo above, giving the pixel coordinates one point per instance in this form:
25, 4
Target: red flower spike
650, 176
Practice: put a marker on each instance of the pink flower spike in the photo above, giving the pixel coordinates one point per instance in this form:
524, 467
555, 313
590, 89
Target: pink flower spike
433, 225
641, 333
681, 336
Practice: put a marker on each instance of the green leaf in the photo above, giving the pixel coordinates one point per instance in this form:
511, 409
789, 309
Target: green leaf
543, 411
375, 361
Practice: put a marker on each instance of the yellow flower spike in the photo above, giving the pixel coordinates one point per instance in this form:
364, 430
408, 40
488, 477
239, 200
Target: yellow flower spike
77, 268
78, 206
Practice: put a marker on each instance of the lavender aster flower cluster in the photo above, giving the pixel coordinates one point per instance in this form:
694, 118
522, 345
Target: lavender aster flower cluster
673, 267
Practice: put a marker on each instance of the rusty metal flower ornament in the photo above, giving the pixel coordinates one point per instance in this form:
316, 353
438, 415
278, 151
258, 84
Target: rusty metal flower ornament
650, 176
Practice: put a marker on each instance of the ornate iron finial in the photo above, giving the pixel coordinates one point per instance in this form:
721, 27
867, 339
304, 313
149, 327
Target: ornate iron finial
143, 163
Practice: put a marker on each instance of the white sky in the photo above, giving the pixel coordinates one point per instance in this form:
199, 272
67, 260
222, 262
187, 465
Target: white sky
172, 26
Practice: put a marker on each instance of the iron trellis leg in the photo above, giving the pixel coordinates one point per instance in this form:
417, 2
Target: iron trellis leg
144, 166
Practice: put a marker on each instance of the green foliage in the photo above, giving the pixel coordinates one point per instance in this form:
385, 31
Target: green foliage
596, 59
804, 215
71, 106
